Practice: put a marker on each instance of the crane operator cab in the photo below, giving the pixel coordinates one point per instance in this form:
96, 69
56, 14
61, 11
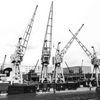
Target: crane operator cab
7, 71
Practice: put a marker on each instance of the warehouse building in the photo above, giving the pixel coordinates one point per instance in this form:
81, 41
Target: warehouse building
77, 69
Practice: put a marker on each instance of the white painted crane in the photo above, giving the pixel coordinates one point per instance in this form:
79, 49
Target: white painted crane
47, 46
93, 57
58, 59
18, 55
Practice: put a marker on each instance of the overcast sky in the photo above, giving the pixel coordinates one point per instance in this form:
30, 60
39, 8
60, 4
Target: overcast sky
67, 14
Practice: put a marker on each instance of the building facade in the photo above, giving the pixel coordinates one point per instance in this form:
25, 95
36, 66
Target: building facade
77, 69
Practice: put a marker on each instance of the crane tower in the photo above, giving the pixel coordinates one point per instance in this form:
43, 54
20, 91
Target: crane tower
58, 74
18, 55
47, 45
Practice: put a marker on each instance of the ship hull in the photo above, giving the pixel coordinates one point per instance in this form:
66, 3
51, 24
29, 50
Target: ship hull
17, 88
98, 92
4, 88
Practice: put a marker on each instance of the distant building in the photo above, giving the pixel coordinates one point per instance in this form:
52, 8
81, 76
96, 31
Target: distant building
77, 69
28, 68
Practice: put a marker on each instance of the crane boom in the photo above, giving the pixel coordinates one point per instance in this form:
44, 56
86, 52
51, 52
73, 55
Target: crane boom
65, 49
36, 64
23, 42
17, 57
70, 71
2, 66
26, 36
82, 46
67, 66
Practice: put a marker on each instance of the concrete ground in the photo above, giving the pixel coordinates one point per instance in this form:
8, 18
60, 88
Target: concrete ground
79, 94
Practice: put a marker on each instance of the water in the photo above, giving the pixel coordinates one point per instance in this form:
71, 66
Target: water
61, 95
19, 97
37, 97
29, 96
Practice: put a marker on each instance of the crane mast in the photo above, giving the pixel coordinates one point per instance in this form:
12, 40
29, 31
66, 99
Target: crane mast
93, 57
47, 45
88, 53
58, 59
21, 47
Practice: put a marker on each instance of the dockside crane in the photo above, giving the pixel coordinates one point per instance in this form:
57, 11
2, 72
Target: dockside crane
93, 57
46, 50
33, 69
58, 74
70, 71
2, 66
36, 65
19, 53
58, 59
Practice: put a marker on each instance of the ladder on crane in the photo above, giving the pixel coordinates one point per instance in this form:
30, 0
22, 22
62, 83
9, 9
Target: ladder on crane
18, 55
46, 50
93, 57
58, 59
